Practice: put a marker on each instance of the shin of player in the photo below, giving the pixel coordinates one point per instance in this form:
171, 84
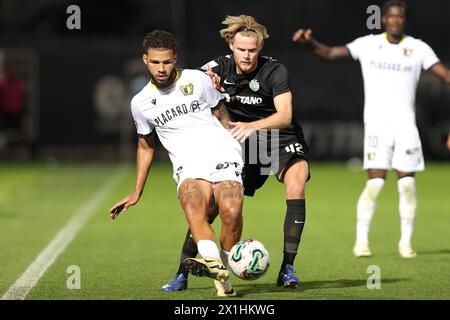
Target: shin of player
407, 208
364, 214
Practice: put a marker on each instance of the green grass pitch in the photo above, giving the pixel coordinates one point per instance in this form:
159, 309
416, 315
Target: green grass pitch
132, 257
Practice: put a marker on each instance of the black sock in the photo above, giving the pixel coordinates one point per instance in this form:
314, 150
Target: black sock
189, 251
293, 228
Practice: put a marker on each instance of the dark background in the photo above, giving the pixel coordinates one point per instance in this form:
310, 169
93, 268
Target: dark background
67, 67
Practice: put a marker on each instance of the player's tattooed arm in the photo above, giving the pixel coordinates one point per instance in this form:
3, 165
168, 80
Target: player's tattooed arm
146, 148
222, 114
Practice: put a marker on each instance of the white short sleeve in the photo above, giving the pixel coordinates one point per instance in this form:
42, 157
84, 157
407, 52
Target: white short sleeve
429, 58
212, 95
358, 46
143, 127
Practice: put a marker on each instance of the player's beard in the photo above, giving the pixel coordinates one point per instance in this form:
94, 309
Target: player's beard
246, 68
166, 83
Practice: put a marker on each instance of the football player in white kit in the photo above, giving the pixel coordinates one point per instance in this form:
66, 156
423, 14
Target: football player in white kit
391, 65
184, 108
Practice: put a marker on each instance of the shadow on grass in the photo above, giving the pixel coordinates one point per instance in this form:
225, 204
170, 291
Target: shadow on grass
431, 252
307, 285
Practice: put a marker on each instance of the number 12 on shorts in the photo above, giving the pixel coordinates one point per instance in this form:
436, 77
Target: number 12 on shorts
294, 148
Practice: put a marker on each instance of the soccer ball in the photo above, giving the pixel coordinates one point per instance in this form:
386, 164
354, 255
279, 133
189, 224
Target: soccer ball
249, 259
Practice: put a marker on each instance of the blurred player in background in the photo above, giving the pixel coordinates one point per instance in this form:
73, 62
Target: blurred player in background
259, 97
391, 65
448, 141
180, 106
12, 103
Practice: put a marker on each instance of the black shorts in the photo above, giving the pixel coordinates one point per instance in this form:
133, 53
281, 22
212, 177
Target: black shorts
285, 154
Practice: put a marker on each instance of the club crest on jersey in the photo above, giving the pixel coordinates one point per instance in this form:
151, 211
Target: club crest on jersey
187, 90
254, 85
407, 52
371, 156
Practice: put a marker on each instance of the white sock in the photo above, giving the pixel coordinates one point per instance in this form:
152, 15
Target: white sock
224, 255
208, 249
407, 208
366, 208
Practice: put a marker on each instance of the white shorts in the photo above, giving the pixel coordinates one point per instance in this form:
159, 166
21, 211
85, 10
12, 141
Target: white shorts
389, 147
214, 171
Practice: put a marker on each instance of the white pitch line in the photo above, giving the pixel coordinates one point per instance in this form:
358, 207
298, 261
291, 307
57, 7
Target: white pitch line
45, 259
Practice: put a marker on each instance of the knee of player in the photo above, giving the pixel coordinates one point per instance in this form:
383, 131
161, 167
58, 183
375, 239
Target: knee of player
194, 211
231, 214
295, 190
407, 189
374, 187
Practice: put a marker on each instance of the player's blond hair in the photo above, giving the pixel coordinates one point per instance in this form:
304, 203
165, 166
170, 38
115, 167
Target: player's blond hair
247, 25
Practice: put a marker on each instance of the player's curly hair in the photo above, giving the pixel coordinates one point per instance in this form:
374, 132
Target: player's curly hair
159, 39
392, 3
247, 25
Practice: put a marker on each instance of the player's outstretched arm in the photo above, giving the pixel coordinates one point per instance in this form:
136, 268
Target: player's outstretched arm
441, 71
145, 151
325, 52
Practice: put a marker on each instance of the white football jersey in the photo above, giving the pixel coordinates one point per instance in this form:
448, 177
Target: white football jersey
181, 115
391, 73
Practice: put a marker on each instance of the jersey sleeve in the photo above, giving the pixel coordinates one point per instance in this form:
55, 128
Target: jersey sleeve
211, 95
279, 80
215, 66
357, 47
143, 127
429, 58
